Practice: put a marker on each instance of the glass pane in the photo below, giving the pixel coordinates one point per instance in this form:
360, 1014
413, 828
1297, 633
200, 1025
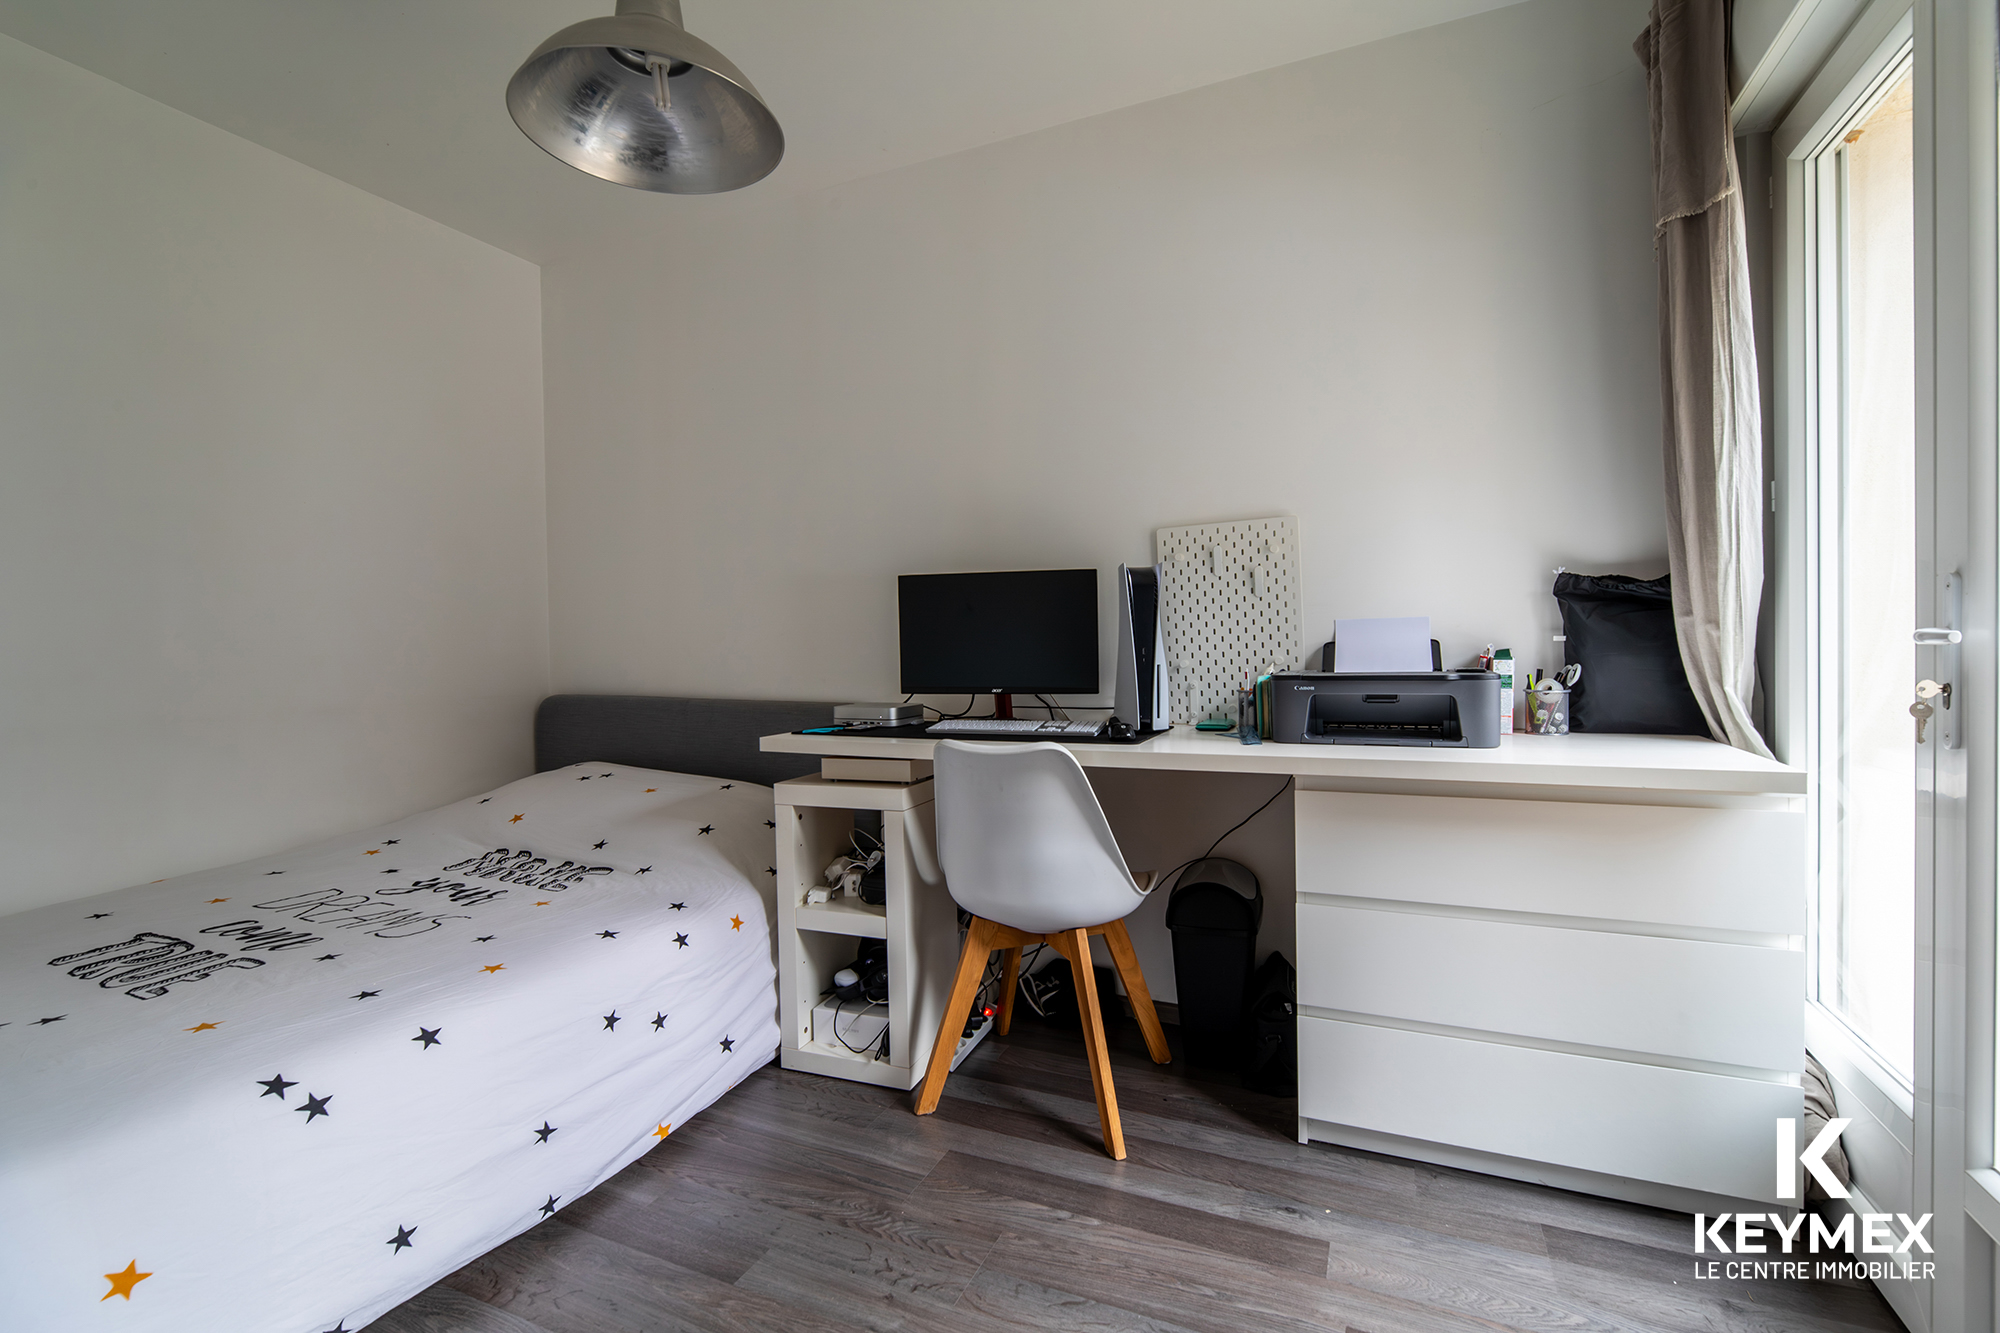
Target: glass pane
1867, 901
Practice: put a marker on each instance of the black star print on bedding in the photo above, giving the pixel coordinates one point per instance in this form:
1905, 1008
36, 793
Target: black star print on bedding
275, 1086
542, 1134
326, 958
706, 828
365, 995
611, 1021
428, 1036
549, 1208
315, 1107
97, 916
607, 934
728, 1044
402, 1239
677, 907
644, 870
597, 846
679, 940
659, 1021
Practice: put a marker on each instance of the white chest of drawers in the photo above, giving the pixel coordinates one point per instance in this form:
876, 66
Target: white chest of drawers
1593, 993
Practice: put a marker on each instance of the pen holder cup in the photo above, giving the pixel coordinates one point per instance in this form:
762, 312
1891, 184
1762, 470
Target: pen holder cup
1548, 712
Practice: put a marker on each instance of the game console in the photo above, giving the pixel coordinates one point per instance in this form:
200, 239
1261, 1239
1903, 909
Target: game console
1140, 692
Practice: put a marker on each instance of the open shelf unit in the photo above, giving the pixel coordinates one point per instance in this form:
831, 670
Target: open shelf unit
918, 920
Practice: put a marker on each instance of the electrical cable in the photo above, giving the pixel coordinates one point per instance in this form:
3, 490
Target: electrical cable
1162, 882
970, 700
841, 1038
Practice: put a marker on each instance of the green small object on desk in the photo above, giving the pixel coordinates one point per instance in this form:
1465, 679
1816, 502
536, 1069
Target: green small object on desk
1215, 724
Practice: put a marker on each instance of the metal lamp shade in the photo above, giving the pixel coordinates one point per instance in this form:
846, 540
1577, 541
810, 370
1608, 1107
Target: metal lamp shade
589, 96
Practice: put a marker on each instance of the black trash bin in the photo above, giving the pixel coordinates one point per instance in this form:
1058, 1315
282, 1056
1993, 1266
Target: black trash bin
1213, 913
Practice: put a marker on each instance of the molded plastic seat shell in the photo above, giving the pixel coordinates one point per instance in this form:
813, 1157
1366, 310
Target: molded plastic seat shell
1023, 841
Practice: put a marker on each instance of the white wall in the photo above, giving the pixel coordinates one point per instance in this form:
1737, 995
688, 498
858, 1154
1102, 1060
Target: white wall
272, 541
1404, 291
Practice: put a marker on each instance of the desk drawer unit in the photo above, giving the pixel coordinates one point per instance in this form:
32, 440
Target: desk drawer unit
1612, 1118
1614, 989
1691, 1000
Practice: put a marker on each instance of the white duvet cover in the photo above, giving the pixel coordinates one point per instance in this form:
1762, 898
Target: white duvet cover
286, 1095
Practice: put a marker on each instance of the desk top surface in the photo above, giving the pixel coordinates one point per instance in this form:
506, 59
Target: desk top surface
1659, 763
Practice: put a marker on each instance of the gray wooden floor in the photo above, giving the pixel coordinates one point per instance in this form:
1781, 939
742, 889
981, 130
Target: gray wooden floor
805, 1203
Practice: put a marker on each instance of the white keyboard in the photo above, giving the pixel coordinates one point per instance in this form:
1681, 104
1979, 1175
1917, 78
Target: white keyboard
1013, 726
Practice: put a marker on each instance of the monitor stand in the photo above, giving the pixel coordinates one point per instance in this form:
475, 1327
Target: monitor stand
1003, 705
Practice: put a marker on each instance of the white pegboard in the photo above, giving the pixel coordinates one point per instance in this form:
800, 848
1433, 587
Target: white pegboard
1231, 605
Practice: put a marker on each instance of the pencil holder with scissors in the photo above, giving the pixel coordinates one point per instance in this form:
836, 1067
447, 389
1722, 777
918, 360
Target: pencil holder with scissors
1548, 711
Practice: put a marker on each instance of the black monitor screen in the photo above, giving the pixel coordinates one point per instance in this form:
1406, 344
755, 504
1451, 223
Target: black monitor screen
1025, 632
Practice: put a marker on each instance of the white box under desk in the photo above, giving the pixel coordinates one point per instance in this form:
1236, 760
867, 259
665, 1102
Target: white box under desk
917, 920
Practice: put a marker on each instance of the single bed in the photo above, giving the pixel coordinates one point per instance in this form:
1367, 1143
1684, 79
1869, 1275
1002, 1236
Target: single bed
288, 1094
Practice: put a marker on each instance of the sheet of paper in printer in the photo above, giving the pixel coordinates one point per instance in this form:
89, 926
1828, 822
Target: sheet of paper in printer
1397, 643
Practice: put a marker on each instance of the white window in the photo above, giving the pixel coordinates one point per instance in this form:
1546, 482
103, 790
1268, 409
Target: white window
1860, 193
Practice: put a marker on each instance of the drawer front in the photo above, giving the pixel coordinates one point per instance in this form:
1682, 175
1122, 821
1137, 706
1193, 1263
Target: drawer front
1741, 870
1725, 1003
1669, 1126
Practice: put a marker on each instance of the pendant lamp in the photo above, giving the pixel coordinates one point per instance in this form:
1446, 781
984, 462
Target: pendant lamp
635, 100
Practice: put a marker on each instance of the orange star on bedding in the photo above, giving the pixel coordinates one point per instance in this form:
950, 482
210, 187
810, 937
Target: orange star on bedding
376, 852
652, 789
663, 1131
218, 900
517, 819
122, 1283
736, 923
202, 1027
543, 903
494, 968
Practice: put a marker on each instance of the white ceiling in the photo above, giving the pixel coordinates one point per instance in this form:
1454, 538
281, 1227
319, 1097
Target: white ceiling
403, 98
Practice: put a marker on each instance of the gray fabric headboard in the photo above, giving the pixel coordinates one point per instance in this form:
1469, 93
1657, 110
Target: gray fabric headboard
717, 737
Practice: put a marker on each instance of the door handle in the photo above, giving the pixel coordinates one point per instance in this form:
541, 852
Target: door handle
1948, 645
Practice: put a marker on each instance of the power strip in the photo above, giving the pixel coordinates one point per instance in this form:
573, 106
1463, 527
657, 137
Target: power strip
965, 1044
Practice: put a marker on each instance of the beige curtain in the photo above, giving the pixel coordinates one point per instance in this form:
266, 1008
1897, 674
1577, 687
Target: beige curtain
1708, 364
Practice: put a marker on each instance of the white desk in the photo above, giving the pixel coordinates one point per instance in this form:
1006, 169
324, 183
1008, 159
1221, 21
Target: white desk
1577, 960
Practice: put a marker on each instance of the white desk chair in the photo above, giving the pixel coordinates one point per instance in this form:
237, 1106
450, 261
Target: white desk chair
1026, 849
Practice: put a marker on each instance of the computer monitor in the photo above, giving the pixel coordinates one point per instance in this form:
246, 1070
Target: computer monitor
1016, 632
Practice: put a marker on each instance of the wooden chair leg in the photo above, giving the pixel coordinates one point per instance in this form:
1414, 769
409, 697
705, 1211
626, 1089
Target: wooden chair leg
1122, 954
1075, 946
971, 967
1010, 981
